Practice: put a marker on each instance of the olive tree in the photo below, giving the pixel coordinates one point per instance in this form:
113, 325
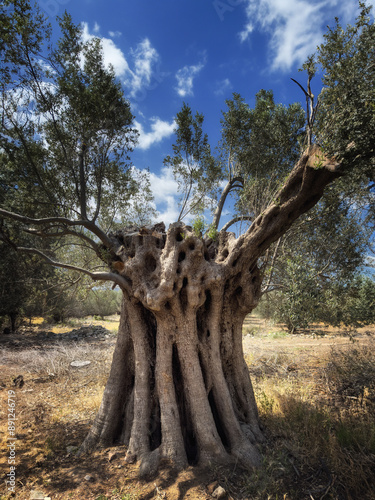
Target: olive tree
179, 388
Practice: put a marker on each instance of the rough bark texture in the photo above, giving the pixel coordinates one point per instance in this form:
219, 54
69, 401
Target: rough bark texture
179, 387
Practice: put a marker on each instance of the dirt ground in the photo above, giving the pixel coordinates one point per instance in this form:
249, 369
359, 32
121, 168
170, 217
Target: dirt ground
55, 405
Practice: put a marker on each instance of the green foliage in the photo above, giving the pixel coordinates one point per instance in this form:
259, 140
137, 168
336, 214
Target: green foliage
260, 146
22, 31
141, 210
67, 115
314, 265
198, 226
87, 128
346, 120
352, 304
102, 302
212, 232
306, 300
297, 307
65, 141
27, 286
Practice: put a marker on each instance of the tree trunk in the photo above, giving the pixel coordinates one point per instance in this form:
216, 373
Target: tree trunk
179, 388
13, 321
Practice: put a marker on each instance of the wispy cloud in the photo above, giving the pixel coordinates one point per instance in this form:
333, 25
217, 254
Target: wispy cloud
185, 78
295, 27
114, 34
160, 130
222, 87
145, 57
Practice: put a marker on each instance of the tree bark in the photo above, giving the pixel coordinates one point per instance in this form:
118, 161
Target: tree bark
179, 388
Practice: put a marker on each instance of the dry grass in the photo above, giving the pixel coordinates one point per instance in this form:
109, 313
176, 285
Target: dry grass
110, 323
55, 360
73, 394
317, 408
320, 426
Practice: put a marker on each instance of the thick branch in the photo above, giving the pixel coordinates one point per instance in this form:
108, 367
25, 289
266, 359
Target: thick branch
64, 232
301, 191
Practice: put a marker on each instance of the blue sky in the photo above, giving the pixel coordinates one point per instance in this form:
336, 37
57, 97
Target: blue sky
200, 51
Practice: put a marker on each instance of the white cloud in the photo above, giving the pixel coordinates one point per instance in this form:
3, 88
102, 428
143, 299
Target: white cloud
114, 34
185, 79
111, 53
244, 35
165, 191
137, 77
295, 26
160, 130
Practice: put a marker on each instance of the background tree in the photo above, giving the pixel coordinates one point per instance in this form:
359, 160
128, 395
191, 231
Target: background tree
66, 131
193, 165
102, 302
315, 259
257, 150
179, 388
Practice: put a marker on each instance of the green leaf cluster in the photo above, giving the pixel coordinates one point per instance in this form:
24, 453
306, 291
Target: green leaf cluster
260, 145
317, 267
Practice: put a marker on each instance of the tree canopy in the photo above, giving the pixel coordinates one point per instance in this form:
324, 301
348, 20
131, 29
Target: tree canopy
66, 133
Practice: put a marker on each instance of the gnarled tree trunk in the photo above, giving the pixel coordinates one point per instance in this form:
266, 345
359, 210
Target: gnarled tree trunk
179, 387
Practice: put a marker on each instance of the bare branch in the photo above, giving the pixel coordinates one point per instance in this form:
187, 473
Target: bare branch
236, 219
272, 267
300, 86
310, 108
60, 220
227, 189
82, 180
99, 276
63, 232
